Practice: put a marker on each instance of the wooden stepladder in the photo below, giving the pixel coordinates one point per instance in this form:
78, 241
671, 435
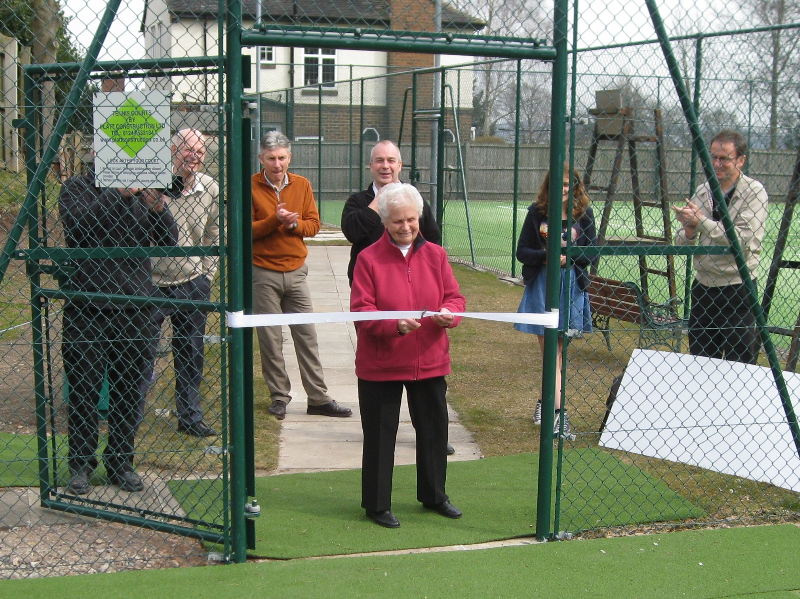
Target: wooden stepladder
616, 125
778, 264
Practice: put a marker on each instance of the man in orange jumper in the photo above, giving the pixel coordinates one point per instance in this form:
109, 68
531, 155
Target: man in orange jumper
284, 213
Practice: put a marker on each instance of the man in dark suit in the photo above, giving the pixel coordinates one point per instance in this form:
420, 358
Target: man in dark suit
105, 338
361, 224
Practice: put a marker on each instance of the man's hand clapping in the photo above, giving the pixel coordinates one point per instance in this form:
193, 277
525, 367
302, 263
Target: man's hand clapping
287, 219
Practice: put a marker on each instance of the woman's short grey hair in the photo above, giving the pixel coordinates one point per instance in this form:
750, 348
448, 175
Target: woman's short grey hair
273, 140
395, 195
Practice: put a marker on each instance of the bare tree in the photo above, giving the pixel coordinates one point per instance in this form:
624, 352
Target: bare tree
41, 25
534, 105
495, 80
774, 53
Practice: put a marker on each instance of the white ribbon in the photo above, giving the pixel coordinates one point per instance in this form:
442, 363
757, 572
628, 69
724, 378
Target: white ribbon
240, 320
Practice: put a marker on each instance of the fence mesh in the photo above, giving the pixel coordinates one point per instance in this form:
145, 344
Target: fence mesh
630, 142
715, 431
113, 406
706, 440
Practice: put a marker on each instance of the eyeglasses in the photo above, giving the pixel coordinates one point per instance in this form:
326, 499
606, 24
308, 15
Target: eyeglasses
191, 152
723, 159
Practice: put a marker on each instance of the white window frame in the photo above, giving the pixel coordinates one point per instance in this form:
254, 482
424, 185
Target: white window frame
325, 59
267, 55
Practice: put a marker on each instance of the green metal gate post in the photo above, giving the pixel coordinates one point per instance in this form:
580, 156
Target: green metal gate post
440, 150
553, 270
698, 66
570, 150
236, 224
730, 232
36, 177
515, 199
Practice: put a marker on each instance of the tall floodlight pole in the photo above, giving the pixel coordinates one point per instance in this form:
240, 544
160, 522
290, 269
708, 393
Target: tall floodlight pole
437, 107
258, 87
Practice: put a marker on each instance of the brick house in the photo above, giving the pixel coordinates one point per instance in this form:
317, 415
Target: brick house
301, 87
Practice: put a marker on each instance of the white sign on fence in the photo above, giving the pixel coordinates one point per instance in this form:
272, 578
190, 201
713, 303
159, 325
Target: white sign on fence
132, 139
719, 415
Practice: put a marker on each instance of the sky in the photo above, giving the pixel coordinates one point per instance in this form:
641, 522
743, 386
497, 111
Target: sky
123, 40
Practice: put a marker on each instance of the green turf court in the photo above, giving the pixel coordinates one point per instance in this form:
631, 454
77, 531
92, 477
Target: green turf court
489, 236
756, 562
316, 514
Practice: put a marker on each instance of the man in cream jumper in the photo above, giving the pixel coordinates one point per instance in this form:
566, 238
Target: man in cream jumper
721, 322
194, 202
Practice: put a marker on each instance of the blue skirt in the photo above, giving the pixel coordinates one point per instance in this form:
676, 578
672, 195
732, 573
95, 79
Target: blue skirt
580, 313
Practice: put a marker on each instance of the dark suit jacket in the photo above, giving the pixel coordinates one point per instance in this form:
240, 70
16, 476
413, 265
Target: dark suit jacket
362, 226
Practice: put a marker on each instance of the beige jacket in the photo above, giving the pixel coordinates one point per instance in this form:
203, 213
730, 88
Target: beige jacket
748, 209
197, 214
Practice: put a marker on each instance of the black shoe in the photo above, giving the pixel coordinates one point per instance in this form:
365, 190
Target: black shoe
128, 481
79, 483
446, 509
197, 429
385, 518
450, 449
330, 409
278, 409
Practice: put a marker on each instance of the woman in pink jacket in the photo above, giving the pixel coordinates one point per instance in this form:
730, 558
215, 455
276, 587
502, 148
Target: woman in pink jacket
402, 271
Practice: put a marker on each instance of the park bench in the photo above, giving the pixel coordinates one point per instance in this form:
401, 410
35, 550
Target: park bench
659, 324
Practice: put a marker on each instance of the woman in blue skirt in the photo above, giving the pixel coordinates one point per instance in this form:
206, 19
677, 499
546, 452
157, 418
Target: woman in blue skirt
532, 253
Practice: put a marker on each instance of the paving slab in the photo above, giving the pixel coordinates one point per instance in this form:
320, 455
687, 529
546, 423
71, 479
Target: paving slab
316, 443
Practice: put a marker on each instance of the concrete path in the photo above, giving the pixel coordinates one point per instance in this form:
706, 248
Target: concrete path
312, 443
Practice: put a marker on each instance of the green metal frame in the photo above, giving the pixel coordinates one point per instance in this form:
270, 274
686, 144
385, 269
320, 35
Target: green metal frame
237, 531
397, 41
553, 268
38, 251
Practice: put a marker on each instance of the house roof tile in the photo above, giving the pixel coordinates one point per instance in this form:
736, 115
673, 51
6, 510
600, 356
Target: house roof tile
322, 12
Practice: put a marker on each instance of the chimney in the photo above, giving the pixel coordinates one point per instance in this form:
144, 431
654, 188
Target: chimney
409, 15
113, 84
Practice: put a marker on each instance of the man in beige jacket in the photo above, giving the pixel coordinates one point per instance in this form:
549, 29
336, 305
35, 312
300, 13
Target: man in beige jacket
721, 322
195, 204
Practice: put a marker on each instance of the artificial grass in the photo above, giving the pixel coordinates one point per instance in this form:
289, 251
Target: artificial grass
19, 465
315, 514
707, 564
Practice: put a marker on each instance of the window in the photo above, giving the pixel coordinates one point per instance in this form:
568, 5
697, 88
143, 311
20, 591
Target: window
267, 54
320, 66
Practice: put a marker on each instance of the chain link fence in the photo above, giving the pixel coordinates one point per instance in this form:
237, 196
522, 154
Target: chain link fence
466, 90
113, 402
629, 139
684, 382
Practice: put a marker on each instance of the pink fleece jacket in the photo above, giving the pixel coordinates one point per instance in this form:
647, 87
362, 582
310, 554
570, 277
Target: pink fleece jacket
386, 280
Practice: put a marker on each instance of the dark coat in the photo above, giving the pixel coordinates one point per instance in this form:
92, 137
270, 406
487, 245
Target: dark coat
95, 217
362, 226
532, 248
